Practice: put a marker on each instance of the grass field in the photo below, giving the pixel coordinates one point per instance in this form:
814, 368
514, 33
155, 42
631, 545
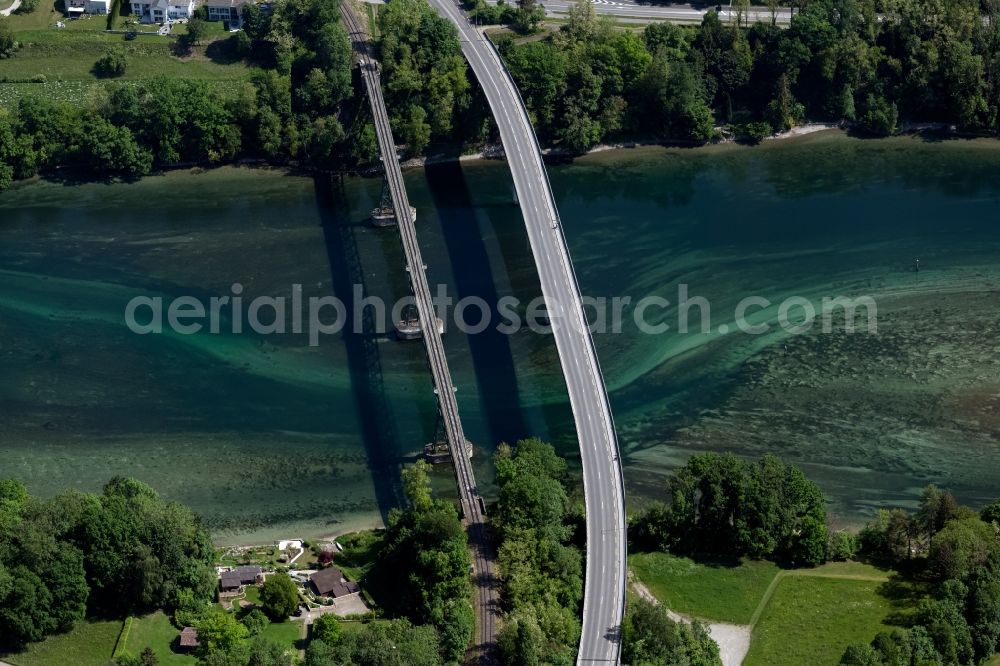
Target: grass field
88, 644
812, 619
284, 633
707, 591
69, 55
360, 552
156, 631
57, 63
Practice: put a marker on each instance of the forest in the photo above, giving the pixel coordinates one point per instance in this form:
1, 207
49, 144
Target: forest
953, 551
875, 65
872, 63
123, 551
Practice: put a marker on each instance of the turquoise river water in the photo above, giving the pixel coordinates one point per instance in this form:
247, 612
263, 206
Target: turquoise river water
266, 435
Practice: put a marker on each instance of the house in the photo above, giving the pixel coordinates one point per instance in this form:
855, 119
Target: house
98, 6
179, 9
160, 11
233, 580
330, 582
189, 638
80, 7
290, 544
225, 10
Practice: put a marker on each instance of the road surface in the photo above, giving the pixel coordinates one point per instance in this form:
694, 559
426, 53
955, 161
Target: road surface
486, 600
604, 592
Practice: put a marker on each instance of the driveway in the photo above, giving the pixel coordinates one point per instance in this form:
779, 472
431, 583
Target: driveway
351, 604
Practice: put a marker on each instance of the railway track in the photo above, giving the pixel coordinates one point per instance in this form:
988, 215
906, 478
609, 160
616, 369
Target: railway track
473, 514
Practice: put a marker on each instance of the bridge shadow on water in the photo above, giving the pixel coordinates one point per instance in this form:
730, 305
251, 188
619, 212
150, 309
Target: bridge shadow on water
492, 360
364, 362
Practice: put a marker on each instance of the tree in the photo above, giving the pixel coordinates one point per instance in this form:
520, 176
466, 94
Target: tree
991, 513
935, 510
255, 621
416, 132
650, 637
279, 596
417, 485
197, 28
961, 546
112, 63
219, 632
8, 44
860, 655
722, 504
529, 14
784, 112
520, 641
268, 653
327, 629
148, 658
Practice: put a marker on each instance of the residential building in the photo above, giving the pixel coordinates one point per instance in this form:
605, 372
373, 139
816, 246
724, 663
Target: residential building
330, 582
230, 581
98, 6
225, 10
159, 11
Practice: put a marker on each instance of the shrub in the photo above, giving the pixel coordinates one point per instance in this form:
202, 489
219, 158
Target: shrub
112, 63
881, 117
255, 621
754, 132
241, 44
327, 629
842, 546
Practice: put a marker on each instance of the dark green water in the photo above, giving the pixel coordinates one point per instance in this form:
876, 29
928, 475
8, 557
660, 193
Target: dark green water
266, 435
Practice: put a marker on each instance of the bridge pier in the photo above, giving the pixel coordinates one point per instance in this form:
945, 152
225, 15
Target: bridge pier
384, 215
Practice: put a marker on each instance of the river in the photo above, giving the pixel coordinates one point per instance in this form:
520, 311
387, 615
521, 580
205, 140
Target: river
268, 436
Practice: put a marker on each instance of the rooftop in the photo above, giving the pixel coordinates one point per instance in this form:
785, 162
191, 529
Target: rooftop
331, 581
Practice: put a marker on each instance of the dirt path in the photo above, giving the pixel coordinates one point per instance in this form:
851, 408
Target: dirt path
733, 639
7, 12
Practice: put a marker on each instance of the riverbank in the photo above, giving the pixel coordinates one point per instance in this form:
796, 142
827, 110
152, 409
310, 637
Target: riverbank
935, 132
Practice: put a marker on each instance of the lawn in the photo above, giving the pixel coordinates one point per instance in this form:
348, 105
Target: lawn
284, 633
251, 594
69, 55
156, 631
812, 619
360, 552
88, 644
707, 591
57, 63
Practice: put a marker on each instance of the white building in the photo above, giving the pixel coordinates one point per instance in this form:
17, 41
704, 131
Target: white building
98, 6
225, 10
78, 7
159, 11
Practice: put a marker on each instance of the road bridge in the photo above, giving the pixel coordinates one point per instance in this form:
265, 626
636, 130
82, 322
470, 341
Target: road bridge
486, 598
604, 591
